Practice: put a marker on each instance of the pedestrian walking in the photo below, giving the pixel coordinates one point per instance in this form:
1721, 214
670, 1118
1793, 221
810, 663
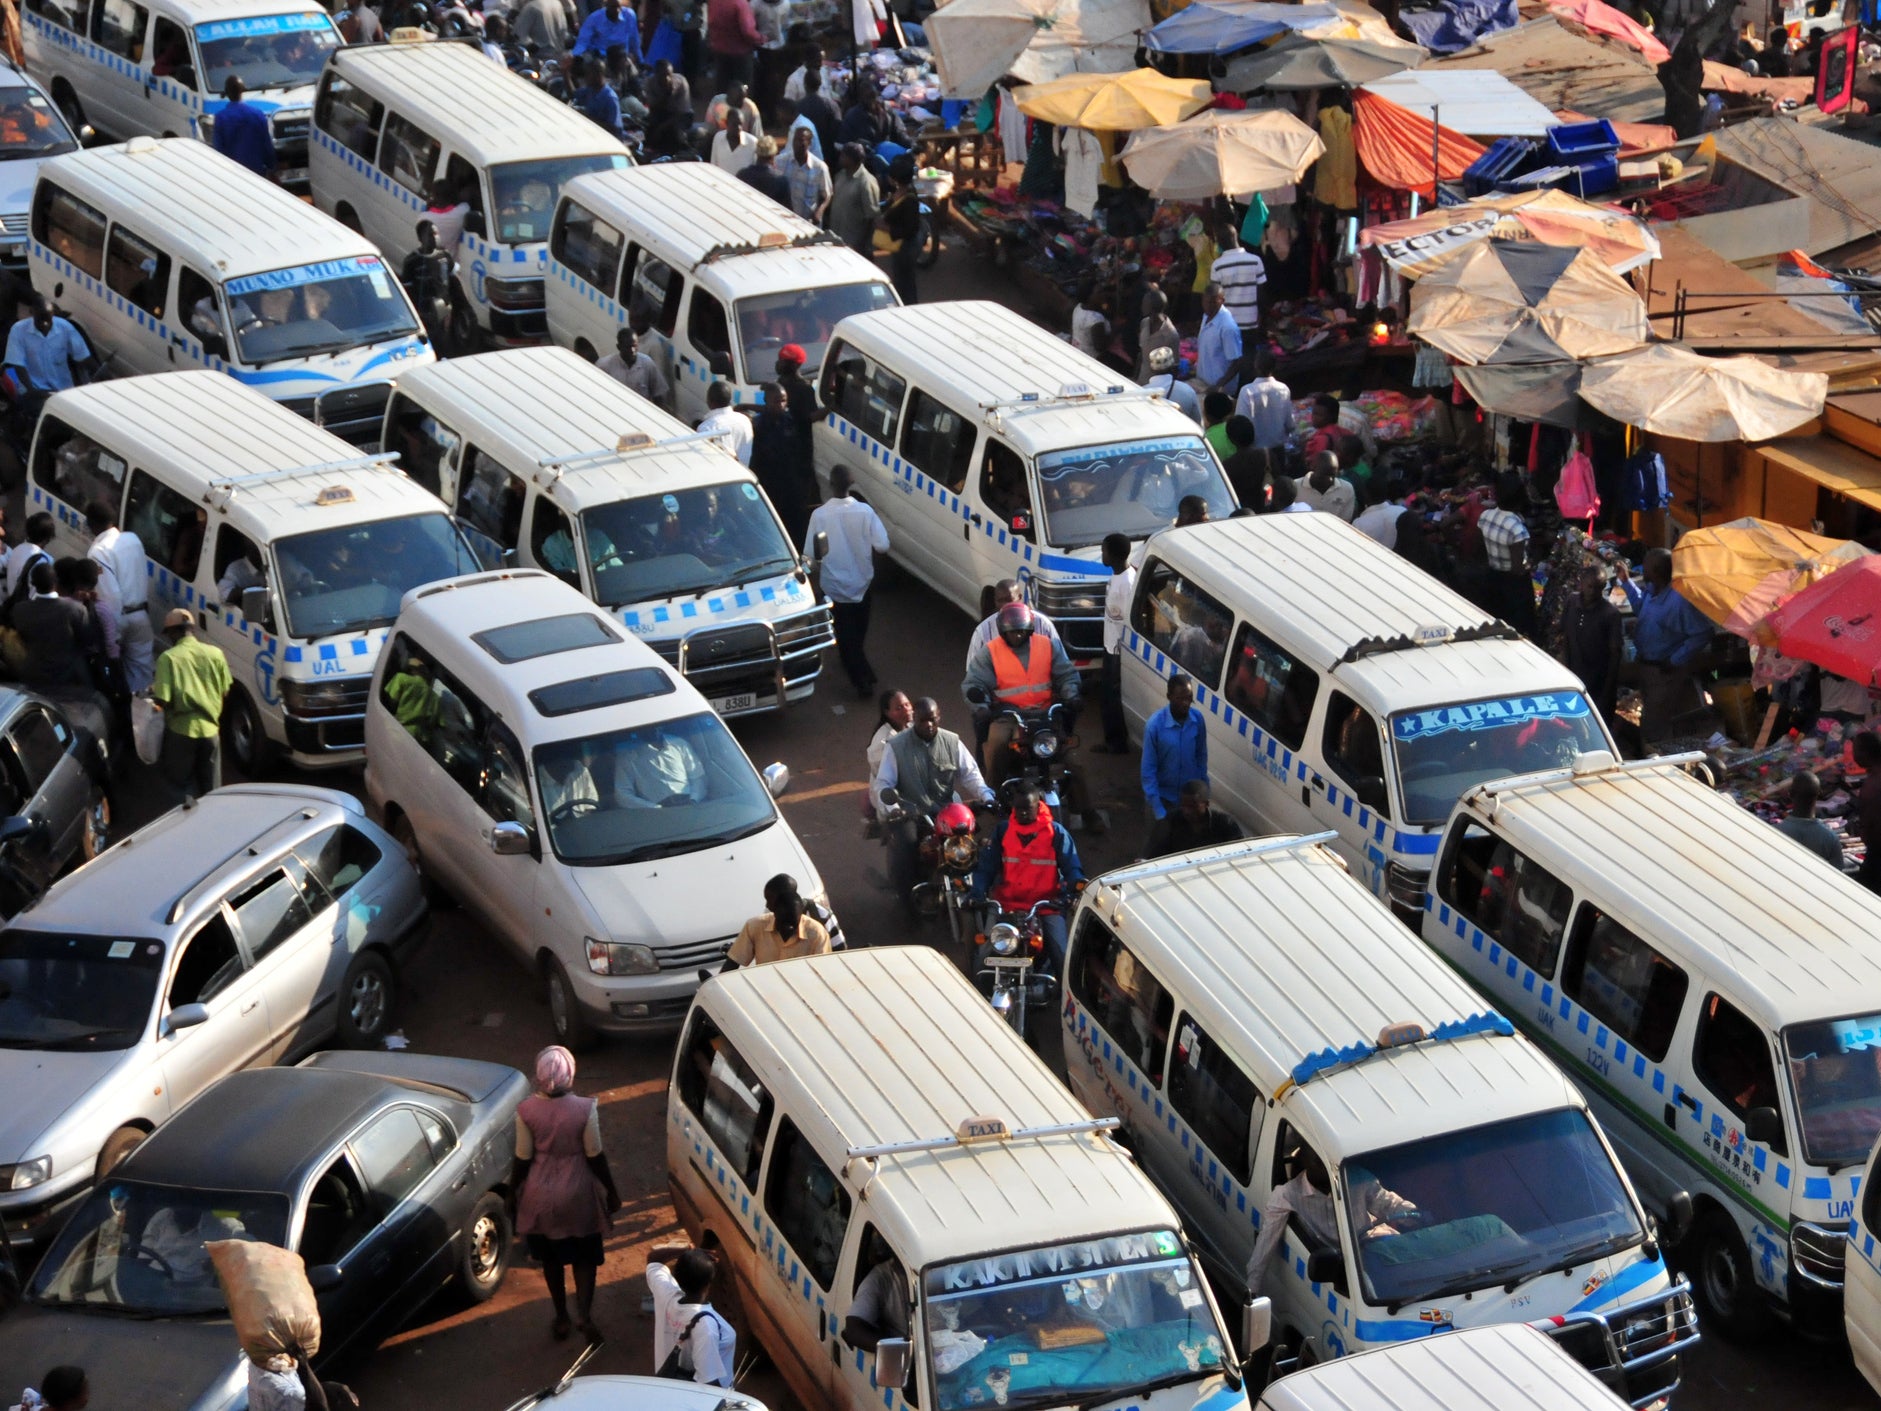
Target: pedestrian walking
783, 932
777, 459
1175, 750
192, 680
565, 1192
242, 131
123, 590
901, 224
1118, 594
690, 1337
846, 572
855, 199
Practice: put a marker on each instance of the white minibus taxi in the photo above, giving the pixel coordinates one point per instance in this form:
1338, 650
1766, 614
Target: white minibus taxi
1251, 1014
157, 68
718, 275
1712, 987
291, 549
168, 256
992, 449
561, 780
395, 124
859, 1135
550, 462
1343, 688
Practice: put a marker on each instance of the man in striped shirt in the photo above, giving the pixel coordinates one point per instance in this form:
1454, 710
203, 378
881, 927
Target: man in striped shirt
1240, 273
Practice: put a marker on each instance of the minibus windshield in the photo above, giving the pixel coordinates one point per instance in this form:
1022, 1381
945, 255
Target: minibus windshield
806, 317
31, 127
311, 309
264, 51
1444, 752
1131, 488
1447, 1214
1835, 1067
659, 790
684, 541
351, 578
526, 192
1069, 1323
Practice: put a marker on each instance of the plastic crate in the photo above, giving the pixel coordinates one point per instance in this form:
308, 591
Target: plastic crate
1575, 141
1542, 178
1600, 175
1504, 157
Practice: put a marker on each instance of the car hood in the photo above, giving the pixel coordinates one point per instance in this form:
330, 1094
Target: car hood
41, 1088
152, 1364
700, 896
16, 184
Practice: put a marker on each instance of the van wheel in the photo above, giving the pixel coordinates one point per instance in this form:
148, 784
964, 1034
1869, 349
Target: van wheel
586, 350
407, 839
1725, 1280
466, 336
246, 737
572, 1029
348, 217
366, 998
69, 107
987, 608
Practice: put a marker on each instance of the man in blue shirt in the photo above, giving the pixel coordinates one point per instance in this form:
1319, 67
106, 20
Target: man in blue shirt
242, 133
607, 27
1175, 749
45, 354
1217, 346
595, 97
1670, 636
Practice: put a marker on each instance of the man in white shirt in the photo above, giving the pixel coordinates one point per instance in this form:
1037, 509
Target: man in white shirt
731, 426
733, 149
1118, 594
40, 527
1323, 489
1007, 590
1268, 403
634, 370
684, 1319
1309, 1195
124, 585
1379, 518
1240, 273
1163, 369
846, 572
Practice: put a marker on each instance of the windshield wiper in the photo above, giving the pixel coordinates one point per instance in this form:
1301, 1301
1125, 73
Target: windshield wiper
1464, 1283
1144, 1389
673, 846
84, 1036
1613, 1244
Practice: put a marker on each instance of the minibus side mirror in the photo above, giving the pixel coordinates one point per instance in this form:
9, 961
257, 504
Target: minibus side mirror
1678, 1216
721, 364
473, 222
819, 546
1257, 1325
1324, 1266
1763, 1124
214, 344
776, 779
891, 1362
255, 607
1369, 789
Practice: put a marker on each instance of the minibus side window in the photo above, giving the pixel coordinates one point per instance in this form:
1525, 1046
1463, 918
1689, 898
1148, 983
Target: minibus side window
1271, 687
1005, 489
1355, 751
424, 444
938, 441
408, 155
1731, 1056
119, 26
1182, 621
167, 523
588, 246
650, 290
869, 395
807, 1203
552, 541
436, 711
238, 565
490, 499
707, 331
1511, 898
1623, 982
880, 1296
68, 227
349, 116
1122, 997
506, 779
169, 42
66, 16
1215, 1097
723, 1091
76, 468
138, 270
202, 311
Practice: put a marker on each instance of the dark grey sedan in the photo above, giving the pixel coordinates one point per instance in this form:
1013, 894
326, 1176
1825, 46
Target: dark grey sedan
52, 777
387, 1172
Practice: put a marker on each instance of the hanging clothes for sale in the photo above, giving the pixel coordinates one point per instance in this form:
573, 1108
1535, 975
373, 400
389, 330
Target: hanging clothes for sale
1041, 177
1433, 366
1084, 164
1011, 129
1335, 178
1254, 223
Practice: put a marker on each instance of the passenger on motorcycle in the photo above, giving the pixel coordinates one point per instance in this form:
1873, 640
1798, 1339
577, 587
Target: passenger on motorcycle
1030, 858
427, 274
1021, 669
928, 768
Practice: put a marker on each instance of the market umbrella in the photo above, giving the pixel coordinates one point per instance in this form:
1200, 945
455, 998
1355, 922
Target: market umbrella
1736, 573
1835, 623
1218, 153
1419, 245
978, 42
1674, 392
1516, 301
1114, 102
1544, 392
1399, 148
1300, 61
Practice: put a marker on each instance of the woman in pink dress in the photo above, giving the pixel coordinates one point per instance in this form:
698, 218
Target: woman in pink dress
566, 1197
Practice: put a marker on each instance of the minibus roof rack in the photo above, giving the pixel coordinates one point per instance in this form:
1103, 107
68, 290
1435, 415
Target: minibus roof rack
773, 240
221, 492
1227, 852
1069, 392
630, 444
1433, 636
1584, 765
976, 1130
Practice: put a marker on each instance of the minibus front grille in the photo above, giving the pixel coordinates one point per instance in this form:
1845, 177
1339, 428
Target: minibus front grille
693, 955
1817, 1251
1633, 1348
809, 633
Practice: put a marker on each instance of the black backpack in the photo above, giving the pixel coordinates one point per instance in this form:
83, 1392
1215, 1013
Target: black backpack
672, 1367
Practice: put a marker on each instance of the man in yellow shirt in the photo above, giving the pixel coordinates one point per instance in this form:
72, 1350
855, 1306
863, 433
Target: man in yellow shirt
192, 681
782, 933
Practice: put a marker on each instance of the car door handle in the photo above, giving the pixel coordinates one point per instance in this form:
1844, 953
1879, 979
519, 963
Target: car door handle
251, 1006
179, 340
1318, 782
1685, 1099
973, 519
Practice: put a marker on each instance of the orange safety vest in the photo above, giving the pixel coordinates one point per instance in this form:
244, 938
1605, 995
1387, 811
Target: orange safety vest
1028, 866
1026, 686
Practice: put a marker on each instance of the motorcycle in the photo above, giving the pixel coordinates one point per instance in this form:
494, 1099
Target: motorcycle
1037, 751
428, 280
1011, 964
948, 849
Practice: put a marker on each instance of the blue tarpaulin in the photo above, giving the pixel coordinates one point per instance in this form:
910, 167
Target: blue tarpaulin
1457, 24
1223, 26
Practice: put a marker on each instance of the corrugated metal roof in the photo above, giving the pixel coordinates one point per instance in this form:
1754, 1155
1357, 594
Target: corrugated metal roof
1495, 1368
1836, 180
1561, 69
1706, 880
204, 208
892, 1044
487, 113
1474, 102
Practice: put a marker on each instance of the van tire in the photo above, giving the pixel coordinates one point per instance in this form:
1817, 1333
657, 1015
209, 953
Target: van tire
245, 737
66, 101
585, 350
349, 218
118, 1145
571, 1026
406, 836
1724, 1279
465, 336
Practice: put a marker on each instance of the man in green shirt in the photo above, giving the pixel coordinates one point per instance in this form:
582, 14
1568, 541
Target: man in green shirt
192, 680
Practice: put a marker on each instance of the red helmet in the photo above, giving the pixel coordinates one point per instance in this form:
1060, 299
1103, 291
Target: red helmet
1014, 618
955, 818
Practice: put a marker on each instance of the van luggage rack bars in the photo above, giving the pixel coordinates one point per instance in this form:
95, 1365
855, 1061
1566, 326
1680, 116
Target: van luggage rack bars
1493, 630
799, 242
221, 492
1003, 1134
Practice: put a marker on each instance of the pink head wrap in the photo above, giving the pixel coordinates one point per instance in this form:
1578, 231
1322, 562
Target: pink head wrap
555, 1071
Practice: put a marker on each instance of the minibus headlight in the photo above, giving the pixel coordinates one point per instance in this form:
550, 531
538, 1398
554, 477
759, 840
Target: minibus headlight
514, 293
620, 958
26, 1175
317, 697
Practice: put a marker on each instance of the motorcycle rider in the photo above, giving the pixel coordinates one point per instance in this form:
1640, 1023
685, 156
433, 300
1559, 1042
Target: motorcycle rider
1030, 858
928, 768
427, 275
1019, 668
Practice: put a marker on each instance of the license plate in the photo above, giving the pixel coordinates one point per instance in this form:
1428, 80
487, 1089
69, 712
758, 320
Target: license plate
287, 176
726, 704
1009, 962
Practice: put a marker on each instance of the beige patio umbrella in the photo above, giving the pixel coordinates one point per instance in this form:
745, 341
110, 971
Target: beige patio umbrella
1518, 301
1216, 152
1667, 389
1114, 102
978, 42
